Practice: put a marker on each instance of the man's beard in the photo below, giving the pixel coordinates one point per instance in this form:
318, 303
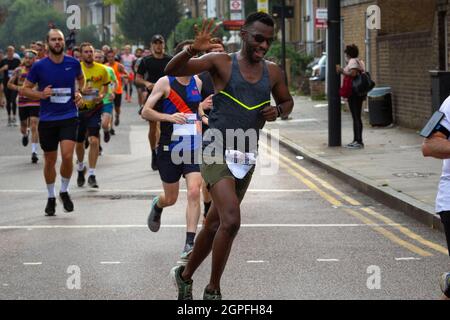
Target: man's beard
56, 52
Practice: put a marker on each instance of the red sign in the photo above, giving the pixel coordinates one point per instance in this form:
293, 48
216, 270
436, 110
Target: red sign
236, 5
321, 24
233, 24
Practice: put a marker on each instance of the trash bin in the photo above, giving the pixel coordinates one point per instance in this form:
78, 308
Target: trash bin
380, 106
440, 88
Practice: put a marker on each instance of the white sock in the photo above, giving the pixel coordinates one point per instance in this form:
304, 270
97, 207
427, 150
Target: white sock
64, 185
34, 147
51, 190
80, 166
91, 172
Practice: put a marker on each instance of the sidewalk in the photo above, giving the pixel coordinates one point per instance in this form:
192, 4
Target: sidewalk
390, 169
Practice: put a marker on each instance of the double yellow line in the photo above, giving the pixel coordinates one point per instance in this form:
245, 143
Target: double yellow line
341, 200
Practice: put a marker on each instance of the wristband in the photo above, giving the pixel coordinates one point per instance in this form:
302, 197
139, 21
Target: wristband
280, 111
205, 116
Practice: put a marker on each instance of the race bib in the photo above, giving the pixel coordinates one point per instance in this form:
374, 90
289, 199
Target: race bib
10, 73
239, 163
61, 95
190, 128
91, 96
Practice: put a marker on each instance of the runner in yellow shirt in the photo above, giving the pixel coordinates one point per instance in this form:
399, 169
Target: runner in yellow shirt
96, 87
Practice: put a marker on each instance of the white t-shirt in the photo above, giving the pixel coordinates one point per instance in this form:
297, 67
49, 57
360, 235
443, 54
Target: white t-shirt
443, 197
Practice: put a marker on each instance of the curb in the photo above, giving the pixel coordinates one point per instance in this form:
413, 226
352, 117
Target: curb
385, 195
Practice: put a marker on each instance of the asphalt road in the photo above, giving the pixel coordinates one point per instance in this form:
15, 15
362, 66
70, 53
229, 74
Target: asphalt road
305, 234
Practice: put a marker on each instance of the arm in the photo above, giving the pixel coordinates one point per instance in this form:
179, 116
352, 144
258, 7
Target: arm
12, 81
141, 82
281, 94
123, 71
161, 90
437, 146
28, 91
80, 85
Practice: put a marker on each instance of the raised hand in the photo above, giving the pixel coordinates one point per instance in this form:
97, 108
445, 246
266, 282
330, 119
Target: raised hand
202, 41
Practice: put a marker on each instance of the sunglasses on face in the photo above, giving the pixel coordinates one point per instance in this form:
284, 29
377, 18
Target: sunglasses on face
260, 38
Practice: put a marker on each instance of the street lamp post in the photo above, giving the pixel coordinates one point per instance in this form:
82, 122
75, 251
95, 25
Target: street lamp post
283, 39
334, 58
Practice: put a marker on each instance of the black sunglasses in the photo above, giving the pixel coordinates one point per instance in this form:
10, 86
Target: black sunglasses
260, 38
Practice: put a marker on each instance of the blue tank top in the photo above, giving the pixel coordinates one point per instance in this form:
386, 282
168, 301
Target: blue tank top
182, 99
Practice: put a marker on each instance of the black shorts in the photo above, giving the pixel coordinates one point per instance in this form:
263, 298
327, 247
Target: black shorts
117, 100
89, 125
51, 133
171, 172
28, 112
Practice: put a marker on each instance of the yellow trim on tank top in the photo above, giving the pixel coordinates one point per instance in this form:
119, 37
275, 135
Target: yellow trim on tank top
243, 104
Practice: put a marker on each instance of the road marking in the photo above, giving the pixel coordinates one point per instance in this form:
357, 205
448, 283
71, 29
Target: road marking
288, 122
144, 226
370, 211
321, 105
328, 260
256, 261
151, 191
32, 263
407, 259
110, 262
391, 236
407, 232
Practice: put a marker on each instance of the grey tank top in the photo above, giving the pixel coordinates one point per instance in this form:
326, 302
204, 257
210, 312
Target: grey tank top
239, 105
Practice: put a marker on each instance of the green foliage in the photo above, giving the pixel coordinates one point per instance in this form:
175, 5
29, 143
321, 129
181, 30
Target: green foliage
139, 20
299, 61
89, 34
27, 21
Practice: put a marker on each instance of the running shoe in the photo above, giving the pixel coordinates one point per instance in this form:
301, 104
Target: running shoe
445, 284
117, 121
112, 131
92, 182
14, 122
25, 139
9, 122
186, 252
184, 287
154, 219
50, 208
212, 295
34, 158
81, 180
66, 201
106, 136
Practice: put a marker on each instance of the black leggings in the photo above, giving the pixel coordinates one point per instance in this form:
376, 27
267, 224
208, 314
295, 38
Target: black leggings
355, 103
11, 101
445, 219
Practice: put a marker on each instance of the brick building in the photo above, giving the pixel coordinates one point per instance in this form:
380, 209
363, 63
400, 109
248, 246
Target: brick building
413, 40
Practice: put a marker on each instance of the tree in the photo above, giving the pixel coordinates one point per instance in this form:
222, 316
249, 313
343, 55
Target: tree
27, 20
185, 30
139, 20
